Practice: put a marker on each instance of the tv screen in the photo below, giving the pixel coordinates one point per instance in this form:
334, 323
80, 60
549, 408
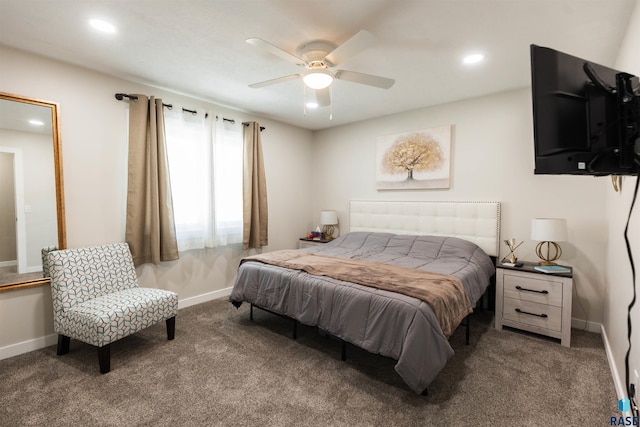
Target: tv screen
586, 116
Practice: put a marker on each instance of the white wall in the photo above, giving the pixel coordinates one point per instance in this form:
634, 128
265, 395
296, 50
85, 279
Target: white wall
619, 285
492, 159
94, 150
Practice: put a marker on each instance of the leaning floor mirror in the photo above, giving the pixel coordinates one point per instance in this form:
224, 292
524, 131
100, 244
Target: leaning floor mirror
31, 190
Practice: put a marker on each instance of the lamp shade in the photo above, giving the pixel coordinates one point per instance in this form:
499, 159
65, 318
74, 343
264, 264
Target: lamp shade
328, 217
549, 229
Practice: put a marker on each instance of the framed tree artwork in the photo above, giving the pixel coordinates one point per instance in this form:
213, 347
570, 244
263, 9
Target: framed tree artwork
414, 160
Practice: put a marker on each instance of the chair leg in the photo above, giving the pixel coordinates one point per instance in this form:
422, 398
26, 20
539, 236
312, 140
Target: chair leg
63, 345
171, 328
104, 358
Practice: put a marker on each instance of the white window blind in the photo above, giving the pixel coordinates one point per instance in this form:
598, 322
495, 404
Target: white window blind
205, 163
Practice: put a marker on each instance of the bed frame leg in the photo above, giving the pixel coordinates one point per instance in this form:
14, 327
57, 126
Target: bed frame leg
343, 350
467, 332
425, 392
251, 312
295, 329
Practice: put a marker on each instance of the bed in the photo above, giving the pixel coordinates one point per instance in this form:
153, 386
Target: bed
347, 288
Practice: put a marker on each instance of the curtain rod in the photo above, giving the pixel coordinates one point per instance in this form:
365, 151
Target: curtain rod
247, 124
121, 96
224, 119
233, 122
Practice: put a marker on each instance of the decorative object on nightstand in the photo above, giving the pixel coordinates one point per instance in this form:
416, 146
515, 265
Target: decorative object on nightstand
511, 258
548, 231
328, 219
534, 301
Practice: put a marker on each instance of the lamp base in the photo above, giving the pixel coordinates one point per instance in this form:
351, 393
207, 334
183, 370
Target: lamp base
328, 232
546, 258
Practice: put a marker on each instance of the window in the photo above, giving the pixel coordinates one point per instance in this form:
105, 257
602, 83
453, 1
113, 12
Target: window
227, 178
205, 163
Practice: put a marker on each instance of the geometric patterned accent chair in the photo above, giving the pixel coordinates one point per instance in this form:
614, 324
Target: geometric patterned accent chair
96, 299
45, 259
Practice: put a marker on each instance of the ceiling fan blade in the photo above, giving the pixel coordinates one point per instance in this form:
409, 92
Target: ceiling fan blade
323, 97
360, 41
274, 81
364, 79
275, 50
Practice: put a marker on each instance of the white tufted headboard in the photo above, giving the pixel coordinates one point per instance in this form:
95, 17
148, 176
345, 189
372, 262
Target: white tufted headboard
478, 222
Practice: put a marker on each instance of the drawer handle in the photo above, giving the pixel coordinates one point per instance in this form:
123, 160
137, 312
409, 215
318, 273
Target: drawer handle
520, 288
544, 316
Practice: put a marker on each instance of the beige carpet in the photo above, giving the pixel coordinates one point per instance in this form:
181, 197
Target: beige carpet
223, 369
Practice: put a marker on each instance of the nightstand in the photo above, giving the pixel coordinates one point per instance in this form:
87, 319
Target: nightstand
534, 301
307, 243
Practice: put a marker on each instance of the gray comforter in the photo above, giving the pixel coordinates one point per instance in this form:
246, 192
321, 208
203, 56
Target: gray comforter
382, 322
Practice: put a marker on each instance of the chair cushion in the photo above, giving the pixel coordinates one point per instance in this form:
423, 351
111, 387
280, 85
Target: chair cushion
107, 318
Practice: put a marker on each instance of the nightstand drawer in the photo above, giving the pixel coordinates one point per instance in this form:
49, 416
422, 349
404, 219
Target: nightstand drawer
534, 314
527, 288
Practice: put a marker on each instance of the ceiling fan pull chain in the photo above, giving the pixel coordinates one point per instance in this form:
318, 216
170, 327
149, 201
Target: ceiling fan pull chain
331, 105
304, 100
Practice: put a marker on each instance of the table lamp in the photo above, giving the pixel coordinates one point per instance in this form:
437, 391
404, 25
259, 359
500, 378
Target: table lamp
328, 219
548, 231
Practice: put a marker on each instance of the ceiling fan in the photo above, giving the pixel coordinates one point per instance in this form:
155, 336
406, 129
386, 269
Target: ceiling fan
318, 57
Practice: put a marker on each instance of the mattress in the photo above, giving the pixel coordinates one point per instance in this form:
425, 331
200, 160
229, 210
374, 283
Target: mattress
382, 322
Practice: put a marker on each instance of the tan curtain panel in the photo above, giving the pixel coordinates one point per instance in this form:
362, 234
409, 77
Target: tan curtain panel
150, 228
255, 216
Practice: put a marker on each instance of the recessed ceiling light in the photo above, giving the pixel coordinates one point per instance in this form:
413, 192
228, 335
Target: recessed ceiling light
103, 26
36, 122
473, 58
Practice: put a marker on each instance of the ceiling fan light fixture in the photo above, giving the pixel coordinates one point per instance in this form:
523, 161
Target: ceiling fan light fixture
102, 26
318, 79
473, 58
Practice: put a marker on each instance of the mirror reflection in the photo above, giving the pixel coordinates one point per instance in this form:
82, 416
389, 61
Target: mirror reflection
31, 200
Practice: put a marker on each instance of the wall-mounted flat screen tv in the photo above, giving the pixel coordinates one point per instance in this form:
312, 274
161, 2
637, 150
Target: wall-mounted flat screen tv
586, 117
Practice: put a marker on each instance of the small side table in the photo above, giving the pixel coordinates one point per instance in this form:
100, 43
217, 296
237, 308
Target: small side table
534, 301
305, 242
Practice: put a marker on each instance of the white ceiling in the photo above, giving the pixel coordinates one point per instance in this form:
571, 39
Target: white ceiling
198, 47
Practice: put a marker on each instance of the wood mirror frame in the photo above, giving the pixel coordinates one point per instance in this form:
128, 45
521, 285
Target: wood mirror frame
28, 280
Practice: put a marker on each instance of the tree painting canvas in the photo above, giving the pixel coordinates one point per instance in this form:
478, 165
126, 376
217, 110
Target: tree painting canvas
414, 160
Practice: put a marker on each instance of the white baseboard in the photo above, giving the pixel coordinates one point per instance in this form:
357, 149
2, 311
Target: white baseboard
31, 269
210, 296
27, 346
618, 381
586, 325
48, 340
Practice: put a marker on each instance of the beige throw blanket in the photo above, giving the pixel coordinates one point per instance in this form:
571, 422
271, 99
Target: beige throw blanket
445, 294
